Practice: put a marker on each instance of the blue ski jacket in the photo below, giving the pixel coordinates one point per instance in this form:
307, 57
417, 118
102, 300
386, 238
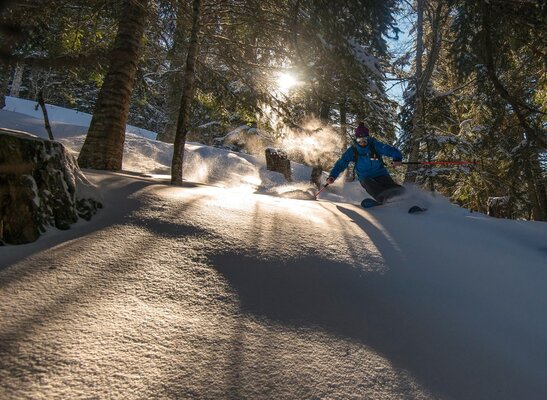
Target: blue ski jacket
367, 166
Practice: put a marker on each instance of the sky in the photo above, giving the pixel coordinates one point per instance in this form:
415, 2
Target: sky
229, 288
398, 46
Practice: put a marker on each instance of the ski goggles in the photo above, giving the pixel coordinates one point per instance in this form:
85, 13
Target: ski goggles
361, 140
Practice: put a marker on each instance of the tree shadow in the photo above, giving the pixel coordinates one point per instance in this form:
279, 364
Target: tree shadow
372, 308
116, 192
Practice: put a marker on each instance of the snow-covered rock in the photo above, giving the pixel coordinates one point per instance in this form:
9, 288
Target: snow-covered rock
40, 186
499, 207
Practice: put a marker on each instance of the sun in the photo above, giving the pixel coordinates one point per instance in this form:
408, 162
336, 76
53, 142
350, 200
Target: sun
286, 81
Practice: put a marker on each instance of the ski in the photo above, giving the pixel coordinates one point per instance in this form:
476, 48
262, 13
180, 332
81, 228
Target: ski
368, 203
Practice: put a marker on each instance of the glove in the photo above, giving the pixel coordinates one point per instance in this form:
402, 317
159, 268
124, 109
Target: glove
330, 180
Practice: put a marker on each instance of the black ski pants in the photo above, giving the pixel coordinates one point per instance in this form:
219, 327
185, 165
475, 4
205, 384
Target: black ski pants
382, 188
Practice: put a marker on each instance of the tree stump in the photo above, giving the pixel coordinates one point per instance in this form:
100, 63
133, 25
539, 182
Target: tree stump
278, 161
499, 207
315, 177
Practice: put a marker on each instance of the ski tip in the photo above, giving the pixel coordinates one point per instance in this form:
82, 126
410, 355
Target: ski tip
416, 209
369, 203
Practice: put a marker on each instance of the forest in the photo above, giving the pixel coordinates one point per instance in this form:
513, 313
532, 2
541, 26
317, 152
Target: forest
472, 75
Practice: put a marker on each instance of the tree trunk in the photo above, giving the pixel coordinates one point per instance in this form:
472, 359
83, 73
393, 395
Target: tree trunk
541, 191
47, 125
344, 123
417, 116
17, 80
423, 76
176, 78
324, 112
103, 147
187, 96
4, 83
350, 171
535, 186
532, 192
431, 177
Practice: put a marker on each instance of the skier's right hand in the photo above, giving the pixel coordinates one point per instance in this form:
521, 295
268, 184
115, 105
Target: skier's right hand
330, 180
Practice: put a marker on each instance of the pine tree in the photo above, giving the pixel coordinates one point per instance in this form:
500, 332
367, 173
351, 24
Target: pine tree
103, 147
344, 54
187, 95
58, 49
508, 62
418, 127
175, 75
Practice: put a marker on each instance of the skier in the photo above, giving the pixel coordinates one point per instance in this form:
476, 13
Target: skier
367, 154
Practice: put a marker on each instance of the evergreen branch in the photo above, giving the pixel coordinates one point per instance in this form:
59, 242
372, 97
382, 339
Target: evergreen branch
452, 91
515, 103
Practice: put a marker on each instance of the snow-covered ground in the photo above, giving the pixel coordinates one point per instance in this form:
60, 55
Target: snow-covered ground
217, 290
61, 119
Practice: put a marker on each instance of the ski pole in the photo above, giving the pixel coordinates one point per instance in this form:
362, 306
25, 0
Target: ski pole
439, 162
317, 194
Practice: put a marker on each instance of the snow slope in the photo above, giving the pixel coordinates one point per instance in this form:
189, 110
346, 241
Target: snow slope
213, 290
61, 117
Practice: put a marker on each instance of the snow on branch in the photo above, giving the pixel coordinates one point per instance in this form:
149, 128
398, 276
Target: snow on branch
365, 58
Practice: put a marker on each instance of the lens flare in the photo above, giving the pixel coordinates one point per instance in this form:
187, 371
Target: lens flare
286, 81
